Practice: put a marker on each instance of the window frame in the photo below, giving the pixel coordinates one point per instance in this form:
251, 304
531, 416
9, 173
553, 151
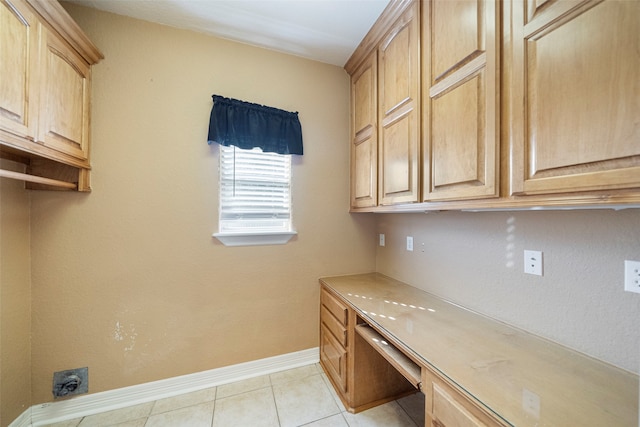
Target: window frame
249, 236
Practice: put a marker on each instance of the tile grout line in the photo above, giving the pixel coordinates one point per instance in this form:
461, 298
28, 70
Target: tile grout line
275, 404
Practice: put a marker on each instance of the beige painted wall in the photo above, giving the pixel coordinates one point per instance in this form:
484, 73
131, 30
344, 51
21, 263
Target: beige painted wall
127, 280
15, 298
476, 260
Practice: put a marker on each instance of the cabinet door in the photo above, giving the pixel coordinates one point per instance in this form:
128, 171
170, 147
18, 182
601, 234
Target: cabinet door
334, 359
364, 141
64, 121
334, 340
460, 99
18, 69
576, 74
449, 412
446, 406
399, 118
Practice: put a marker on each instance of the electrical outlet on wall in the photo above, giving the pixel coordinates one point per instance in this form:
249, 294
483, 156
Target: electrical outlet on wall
409, 243
533, 262
381, 243
632, 276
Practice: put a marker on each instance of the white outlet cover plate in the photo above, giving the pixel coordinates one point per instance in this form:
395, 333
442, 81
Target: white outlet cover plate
632, 276
381, 239
409, 243
533, 262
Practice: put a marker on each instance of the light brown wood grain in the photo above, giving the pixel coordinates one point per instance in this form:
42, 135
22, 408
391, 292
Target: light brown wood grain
460, 121
65, 99
576, 69
364, 138
555, 107
19, 69
361, 376
399, 111
45, 63
484, 370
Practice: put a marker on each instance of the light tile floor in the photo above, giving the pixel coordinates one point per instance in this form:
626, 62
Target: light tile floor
296, 397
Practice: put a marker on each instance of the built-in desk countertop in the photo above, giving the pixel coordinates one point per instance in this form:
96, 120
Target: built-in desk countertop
523, 379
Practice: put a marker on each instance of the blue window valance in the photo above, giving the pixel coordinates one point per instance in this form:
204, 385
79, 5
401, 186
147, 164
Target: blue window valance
247, 125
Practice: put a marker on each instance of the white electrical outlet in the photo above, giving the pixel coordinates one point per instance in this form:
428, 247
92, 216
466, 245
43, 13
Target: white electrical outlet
381, 239
533, 262
632, 276
409, 243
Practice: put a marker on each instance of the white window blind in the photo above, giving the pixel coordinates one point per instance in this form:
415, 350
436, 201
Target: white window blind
255, 191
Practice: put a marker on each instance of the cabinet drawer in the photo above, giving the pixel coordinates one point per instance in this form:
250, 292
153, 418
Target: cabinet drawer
336, 328
334, 358
449, 411
337, 308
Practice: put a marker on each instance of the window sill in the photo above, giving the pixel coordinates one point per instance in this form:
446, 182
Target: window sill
255, 238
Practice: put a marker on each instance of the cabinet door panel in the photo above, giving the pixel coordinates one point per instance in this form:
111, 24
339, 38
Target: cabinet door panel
65, 99
458, 139
18, 68
364, 172
396, 72
330, 322
398, 90
398, 161
467, 20
460, 100
334, 358
579, 75
364, 143
448, 412
335, 307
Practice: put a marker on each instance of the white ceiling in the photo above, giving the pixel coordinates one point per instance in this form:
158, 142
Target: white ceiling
324, 30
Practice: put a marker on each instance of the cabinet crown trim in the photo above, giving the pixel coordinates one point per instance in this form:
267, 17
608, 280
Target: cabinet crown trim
60, 20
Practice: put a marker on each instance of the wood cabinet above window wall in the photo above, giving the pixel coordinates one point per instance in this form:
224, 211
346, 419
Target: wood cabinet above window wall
521, 104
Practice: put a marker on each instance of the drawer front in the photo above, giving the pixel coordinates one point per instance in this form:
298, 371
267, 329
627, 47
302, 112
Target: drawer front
448, 411
337, 308
334, 358
332, 324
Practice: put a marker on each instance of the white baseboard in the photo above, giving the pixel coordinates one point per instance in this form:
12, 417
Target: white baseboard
83, 406
24, 420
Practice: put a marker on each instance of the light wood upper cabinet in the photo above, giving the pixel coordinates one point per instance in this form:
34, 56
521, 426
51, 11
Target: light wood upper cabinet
399, 110
364, 140
519, 104
66, 84
460, 97
19, 60
576, 73
45, 66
